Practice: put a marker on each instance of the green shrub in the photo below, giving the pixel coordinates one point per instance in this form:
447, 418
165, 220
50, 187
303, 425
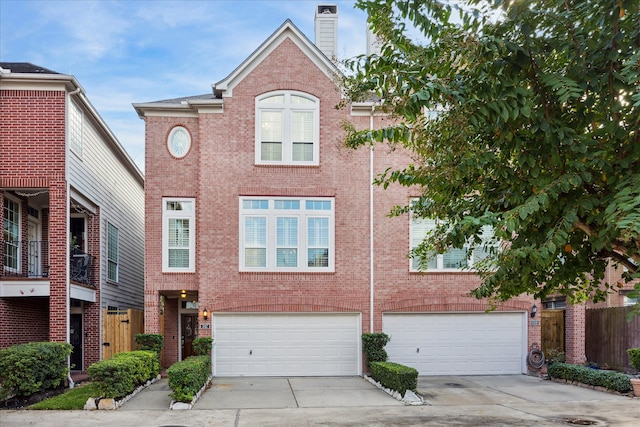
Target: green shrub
202, 346
373, 346
187, 377
634, 357
124, 372
151, 342
28, 368
395, 376
555, 355
608, 379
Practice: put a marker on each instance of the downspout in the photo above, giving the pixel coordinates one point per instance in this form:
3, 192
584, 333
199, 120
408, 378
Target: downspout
371, 246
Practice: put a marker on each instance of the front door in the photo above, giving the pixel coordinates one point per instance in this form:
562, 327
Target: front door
189, 323
76, 341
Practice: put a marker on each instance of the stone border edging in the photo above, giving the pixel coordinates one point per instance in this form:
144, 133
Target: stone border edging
410, 398
180, 406
94, 403
592, 387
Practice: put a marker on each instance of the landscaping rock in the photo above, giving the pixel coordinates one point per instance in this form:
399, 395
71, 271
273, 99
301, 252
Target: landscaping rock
107, 403
90, 405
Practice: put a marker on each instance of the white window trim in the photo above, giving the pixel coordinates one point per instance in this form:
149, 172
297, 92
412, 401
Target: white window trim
287, 145
117, 260
271, 215
166, 215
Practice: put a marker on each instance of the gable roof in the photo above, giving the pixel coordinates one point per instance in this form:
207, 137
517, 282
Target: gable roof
286, 30
190, 105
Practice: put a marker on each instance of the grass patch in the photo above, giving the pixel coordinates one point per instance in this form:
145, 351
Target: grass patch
74, 398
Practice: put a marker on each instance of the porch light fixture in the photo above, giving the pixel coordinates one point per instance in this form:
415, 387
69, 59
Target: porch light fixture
205, 314
183, 294
534, 310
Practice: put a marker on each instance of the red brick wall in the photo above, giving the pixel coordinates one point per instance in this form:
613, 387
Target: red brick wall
23, 320
32, 143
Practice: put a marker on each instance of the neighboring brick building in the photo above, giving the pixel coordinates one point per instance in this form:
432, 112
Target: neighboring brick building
73, 215
265, 232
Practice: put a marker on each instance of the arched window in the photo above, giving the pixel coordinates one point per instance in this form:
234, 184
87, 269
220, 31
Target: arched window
287, 128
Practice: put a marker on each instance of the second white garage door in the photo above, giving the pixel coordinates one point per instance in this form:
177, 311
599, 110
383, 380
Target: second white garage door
288, 344
458, 343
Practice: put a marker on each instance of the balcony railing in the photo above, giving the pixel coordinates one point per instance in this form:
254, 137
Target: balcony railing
30, 259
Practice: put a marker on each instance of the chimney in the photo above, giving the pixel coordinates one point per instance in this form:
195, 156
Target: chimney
373, 43
326, 24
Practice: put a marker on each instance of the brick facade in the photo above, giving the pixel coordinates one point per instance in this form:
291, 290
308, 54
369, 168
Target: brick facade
220, 168
39, 171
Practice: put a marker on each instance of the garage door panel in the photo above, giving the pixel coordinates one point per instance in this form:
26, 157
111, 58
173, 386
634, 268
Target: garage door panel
457, 343
286, 344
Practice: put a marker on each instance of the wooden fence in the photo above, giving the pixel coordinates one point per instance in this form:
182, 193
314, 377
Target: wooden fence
608, 335
119, 328
552, 325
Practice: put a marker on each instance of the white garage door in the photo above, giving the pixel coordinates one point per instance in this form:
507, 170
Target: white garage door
458, 343
286, 344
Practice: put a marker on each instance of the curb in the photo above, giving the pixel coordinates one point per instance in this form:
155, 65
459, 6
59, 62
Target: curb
410, 398
109, 404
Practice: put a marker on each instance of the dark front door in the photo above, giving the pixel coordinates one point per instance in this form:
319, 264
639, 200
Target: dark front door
189, 323
76, 341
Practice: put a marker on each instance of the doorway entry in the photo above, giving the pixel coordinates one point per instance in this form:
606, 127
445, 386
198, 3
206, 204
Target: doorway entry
189, 324
75, 338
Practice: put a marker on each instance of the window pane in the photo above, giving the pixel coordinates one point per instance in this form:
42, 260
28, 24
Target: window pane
302, 152
295, 99
318, 205
318, 232
455, 258
318, 257
287, 234
302, 126
179, 206
271, 151
179, 258
431, 264
255, 231
255, 204
276, 99
11, 233
287, 204
255, 257
287, 257
271, 126
178, 232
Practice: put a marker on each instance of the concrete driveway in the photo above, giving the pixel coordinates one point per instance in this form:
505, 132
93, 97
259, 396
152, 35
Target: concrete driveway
513, 400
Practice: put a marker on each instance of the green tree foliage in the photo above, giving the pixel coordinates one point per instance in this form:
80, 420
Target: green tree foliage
535, 132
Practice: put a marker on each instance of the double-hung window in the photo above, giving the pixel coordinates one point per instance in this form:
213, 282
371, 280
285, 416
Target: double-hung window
112, 253
11, 234
287, 129
287, 234
454, 258
178, 235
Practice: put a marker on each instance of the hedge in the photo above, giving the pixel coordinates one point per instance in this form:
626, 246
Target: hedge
124, 372
373, 346
29, 368
202, 346
634, 357
187, 377
608, 379
395, 376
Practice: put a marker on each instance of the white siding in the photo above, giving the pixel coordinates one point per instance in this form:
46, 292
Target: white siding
102, 177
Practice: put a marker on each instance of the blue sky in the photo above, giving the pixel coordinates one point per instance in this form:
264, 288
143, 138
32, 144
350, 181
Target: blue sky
129, 51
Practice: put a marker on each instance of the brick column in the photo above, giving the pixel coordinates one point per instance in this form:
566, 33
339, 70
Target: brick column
575, 317
58, 235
